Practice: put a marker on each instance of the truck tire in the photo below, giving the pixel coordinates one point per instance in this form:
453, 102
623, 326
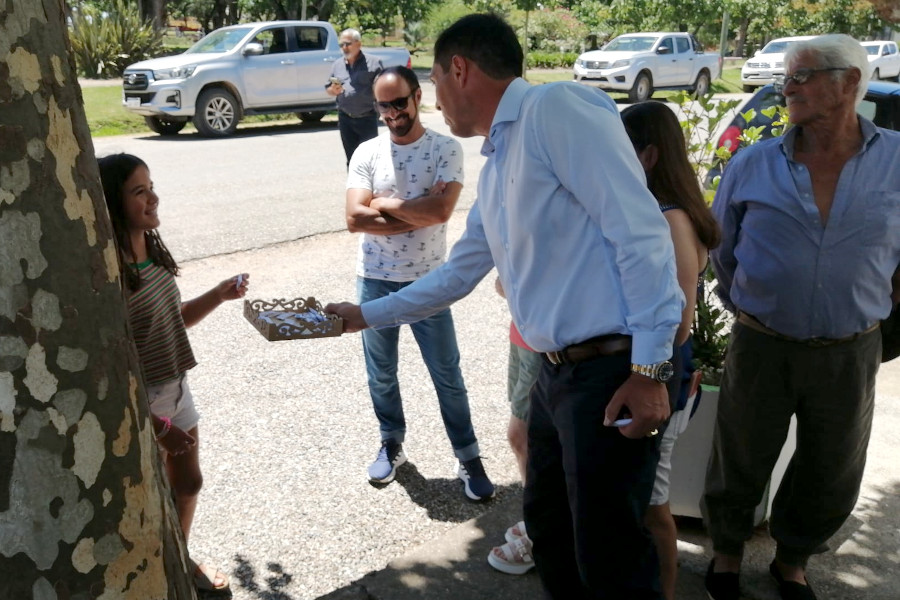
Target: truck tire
312, 117
217, 114
701, 86
161, 127
642, 88
748, 89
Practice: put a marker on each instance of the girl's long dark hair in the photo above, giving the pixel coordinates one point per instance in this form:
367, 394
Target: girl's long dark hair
671, 180
115, 169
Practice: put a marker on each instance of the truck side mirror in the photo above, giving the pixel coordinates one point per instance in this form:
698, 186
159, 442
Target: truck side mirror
662, 50
252, 49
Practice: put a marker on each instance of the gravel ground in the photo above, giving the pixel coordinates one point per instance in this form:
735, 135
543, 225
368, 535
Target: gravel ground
287, 430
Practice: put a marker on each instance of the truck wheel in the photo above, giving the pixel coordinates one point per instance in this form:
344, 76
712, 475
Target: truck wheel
217, 113
311, 117
161, 127
642, 88
748, 89
701, 86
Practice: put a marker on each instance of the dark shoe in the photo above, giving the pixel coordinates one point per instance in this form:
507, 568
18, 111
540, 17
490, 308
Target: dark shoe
722, 586
478, 486
791, 590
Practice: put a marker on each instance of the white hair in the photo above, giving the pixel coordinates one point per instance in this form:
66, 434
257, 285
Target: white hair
353, 33
834, 50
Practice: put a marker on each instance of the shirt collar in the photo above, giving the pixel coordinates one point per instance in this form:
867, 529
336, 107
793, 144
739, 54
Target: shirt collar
507, 111
868, 128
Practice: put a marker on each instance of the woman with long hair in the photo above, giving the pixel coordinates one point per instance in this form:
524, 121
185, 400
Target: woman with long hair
660, 145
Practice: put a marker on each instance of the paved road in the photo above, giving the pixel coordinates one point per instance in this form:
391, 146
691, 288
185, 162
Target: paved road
264, 185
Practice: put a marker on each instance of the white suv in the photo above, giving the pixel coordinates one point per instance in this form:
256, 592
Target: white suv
767, 63
884, 60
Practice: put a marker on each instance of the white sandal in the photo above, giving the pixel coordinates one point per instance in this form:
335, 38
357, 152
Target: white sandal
516, 557
516, 531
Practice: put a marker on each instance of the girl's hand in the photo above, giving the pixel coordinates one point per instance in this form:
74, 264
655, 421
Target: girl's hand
233, 287
177, 441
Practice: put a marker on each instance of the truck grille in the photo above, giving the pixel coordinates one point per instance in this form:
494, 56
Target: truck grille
758, 65
135, 81
596, 64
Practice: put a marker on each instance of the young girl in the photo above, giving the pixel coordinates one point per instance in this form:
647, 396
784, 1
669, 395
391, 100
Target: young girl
158, 321
659, 142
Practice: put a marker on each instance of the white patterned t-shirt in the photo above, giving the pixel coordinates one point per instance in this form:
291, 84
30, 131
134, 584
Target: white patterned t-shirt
406, 171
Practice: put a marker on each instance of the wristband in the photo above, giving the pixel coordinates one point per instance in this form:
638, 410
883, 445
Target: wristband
167, 426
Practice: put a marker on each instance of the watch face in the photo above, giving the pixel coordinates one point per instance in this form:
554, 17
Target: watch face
665, 371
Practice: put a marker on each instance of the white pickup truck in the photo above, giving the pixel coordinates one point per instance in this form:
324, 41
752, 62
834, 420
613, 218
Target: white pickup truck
255, 68
639, 63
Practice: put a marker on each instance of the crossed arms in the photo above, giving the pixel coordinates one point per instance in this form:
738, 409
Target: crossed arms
383, 215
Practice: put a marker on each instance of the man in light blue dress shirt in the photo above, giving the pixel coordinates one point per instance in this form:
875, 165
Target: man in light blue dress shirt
587, 263
811, 240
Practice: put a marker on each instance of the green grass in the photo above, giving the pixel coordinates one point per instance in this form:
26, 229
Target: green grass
105, 113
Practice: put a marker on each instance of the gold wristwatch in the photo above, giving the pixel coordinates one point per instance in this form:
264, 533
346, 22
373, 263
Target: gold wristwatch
661, 371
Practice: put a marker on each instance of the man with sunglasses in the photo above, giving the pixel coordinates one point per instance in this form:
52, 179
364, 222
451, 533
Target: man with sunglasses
401, 190
809, 249
351, 81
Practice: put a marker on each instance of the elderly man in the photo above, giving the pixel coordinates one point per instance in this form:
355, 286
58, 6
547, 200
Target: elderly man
351, 81
401, 191
586, 260
810, 244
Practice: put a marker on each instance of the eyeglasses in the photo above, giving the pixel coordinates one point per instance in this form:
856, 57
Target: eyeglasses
345, 44
801, 76
396, 104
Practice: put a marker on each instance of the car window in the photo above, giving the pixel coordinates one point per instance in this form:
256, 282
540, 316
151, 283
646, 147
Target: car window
667, 43
222, 40
775, 47
311, 38
628, 43
683, 45
867, 109
873, 50
273, 41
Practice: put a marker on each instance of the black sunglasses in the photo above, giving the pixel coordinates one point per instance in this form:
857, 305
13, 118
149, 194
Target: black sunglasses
800, 76
343, 44
396, 104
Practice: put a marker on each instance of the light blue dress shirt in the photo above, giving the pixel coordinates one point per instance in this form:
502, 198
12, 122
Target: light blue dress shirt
564, 213
781, 264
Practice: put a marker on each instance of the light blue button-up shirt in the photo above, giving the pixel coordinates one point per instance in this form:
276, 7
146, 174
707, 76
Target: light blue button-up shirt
564, 213
781, 264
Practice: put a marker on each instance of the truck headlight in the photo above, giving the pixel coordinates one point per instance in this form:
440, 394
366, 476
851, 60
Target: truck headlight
620, 63
175, 72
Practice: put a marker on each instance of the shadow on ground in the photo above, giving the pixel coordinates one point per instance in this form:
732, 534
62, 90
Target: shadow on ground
440, 497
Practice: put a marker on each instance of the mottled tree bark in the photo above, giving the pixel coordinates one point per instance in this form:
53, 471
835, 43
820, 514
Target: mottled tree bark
84, 507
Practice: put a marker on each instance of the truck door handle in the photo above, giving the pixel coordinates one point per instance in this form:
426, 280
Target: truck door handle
287, 62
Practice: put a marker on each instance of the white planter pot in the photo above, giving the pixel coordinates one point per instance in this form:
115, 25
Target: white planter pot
691, 455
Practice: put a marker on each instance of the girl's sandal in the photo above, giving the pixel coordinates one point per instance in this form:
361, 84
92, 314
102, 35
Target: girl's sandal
516, 531
513, 558
209, 579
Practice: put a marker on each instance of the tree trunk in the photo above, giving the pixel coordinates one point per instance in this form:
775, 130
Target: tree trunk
741, 41
84, 508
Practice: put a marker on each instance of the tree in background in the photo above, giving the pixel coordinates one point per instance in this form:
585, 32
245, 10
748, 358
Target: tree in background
84, 508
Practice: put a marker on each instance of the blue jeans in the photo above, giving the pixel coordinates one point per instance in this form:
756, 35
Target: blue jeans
436, 338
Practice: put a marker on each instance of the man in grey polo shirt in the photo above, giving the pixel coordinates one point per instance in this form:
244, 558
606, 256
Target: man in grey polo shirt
351, 82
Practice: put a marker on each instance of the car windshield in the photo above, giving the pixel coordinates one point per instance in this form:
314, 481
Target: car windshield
221, 40
776, 47
873, 50
630, 43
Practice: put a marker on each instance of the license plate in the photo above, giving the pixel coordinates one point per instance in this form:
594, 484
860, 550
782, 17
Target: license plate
132, 101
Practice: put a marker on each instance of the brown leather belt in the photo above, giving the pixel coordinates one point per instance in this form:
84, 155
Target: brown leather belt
815, 342
605, 345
